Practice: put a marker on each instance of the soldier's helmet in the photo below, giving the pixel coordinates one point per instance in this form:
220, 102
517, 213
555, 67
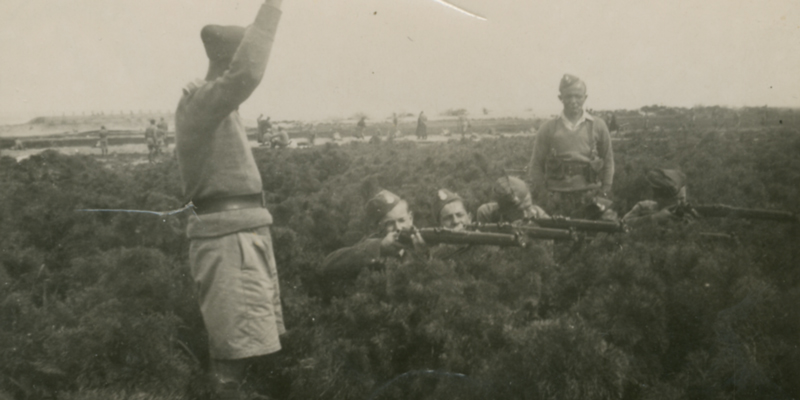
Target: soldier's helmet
512, 192
667, 183
379, 205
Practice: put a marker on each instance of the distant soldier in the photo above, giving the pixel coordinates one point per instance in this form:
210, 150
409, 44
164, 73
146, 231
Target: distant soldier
669, 191
360, 126
163, 129
512, 202
280, 140
394, 121
312, 137
450, 210
264, 129
386, 216
231, 255
103, 134
572, 159
613, 125
152, 143
422, 126
376, 137
461, 125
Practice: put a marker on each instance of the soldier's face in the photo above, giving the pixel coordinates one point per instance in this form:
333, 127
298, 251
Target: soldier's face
397, 219
573, 98
454, 216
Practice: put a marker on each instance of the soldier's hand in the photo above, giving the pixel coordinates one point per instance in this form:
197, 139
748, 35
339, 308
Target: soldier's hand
665, 215
390, 245
417, 241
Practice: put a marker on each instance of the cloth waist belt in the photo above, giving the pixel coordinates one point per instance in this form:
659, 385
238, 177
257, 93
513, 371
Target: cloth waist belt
219, 204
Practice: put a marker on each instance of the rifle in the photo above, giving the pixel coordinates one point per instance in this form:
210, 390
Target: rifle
531, 231
725, 211
434, 236
580, 225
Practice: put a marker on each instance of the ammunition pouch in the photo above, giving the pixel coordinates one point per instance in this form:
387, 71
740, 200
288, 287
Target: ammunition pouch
556, 169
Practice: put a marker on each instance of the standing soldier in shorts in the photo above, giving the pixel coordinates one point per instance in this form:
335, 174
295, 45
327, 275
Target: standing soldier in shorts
150, 138
103, 140
163, 129
573, 160
230, 254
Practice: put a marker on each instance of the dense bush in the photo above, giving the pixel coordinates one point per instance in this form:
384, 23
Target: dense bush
100, 305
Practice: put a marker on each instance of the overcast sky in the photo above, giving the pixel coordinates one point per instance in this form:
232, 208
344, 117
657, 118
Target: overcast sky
338, 57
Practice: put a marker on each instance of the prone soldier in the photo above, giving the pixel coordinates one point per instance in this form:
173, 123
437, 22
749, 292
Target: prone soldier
230, 240
573, 160
513, 202
387, 215
669, 193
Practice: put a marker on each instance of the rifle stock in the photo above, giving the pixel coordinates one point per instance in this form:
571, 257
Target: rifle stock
533, 232
433, 236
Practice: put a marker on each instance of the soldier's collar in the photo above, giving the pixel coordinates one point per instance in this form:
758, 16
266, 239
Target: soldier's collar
584, 117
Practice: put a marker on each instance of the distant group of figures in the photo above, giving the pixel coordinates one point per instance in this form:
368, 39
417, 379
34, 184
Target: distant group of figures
156, 138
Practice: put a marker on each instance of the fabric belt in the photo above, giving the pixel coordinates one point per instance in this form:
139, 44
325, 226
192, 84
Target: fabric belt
219, 204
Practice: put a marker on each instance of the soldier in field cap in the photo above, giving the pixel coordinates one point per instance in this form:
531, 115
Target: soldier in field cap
450, 210
386, 215
669, 191
230, 242
572, 164
512, 202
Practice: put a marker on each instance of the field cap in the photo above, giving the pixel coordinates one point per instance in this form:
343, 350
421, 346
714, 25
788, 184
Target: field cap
510, 190
380, 205
667, 181
443, 198
567, 81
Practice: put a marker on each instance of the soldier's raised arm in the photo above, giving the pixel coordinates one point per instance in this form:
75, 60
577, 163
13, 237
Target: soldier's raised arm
230, 81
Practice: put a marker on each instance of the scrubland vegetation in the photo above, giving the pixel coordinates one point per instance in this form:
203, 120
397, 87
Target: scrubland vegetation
100, 305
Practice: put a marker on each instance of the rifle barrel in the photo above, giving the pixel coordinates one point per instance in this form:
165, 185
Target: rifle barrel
449, 236
583, 225
722, 211
533, 232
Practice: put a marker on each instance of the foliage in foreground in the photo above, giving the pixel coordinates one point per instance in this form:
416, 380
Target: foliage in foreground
100, 305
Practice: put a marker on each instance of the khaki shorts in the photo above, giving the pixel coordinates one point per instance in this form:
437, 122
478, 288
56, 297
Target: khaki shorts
238, 292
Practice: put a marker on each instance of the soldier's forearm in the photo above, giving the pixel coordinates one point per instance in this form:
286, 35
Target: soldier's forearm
250, 61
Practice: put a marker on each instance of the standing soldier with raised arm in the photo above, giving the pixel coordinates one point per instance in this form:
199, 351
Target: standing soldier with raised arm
573, 160
230, 253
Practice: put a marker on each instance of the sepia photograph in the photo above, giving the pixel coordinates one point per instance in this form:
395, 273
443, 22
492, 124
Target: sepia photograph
399, 199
